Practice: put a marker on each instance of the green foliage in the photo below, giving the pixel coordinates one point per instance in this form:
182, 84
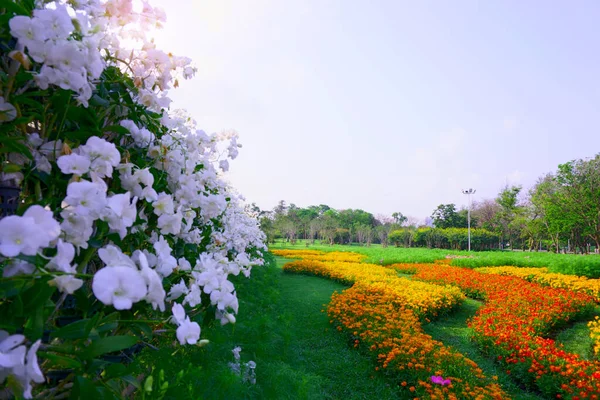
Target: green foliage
449, 238
446, 216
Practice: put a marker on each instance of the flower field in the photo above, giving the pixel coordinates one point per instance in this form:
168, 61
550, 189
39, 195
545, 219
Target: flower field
424, 299
543, 277
512, 327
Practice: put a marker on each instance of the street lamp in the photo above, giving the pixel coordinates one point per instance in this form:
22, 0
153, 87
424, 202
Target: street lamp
469, 192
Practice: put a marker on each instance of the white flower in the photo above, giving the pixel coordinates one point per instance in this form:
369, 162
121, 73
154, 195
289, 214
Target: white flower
178, 313
27, 30
114, 257
236, 352
45, 222
66, 283
193, 297
162, 247
170, 223
188, 332
56, 22
63, 258
164, 204
77, 228
18, 267
103, 155
123, 213
41, 163
156, 293
30, 371
19, 235
177, 291
119, 286
166, 265
74, 164
213, 205
184, 264
86, 197
11, 354
224, 165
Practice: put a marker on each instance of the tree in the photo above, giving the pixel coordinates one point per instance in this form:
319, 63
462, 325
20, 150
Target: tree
446, 216
399, 218
484, 214
508, 199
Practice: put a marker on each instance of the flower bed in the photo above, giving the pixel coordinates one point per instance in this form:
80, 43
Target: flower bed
426, 300
580, 284
513, 322
383, 312
339, 256
380, 321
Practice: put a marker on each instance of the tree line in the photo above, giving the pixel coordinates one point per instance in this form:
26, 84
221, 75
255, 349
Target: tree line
561, 212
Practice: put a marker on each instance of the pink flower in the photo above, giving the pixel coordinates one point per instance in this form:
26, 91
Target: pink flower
440, 380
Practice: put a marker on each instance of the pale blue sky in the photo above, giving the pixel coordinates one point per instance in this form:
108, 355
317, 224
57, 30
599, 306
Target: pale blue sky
391, 105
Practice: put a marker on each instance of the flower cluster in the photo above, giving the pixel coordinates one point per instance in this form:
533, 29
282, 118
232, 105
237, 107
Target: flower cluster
379, 321
19, 362
580, 284
246, 370
335, 256
424, 299
122, 200
595, 334
513, 322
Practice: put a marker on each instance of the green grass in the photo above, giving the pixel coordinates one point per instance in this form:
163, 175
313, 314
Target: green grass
281, 327
576, 338
571, 264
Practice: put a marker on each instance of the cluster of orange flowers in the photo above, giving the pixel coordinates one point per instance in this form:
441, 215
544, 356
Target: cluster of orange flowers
543, 277
425, 299
512, 323
380, 321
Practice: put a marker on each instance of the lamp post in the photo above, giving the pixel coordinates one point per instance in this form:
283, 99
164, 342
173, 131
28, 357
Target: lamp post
469, 192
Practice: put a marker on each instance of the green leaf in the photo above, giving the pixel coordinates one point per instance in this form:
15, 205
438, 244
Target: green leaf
75, 330
132, 381
62, 361
99, 101
109, 344
116, 129
9, 168
84, 388
115, 371
14, 8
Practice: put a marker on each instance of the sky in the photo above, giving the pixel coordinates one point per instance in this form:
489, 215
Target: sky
390, 105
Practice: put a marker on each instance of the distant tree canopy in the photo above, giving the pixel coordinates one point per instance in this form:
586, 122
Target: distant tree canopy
560, 212
446, 216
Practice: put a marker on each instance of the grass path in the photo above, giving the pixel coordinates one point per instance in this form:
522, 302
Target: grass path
331, 368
